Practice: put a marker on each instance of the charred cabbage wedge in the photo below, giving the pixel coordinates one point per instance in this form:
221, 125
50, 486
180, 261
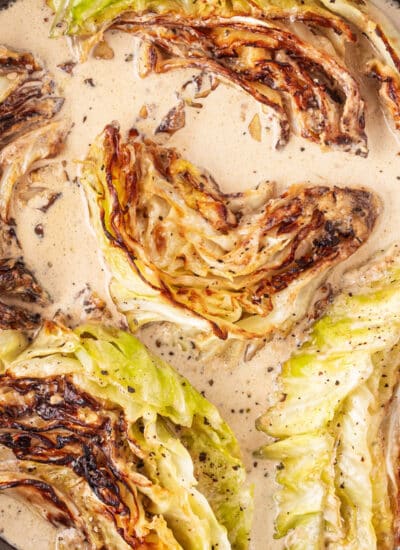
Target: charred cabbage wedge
244, 43
221, 266
329, 420
117, 448
28, 133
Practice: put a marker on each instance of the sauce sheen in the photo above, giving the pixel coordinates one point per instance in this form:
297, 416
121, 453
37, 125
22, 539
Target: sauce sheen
65, 258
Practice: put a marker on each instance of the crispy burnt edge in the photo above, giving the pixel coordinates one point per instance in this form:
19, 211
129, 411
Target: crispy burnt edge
389, 88
173, 121
43, 424
31, 102
190, 44
335, 243
18, 284
14, 317
389, 79
17, 281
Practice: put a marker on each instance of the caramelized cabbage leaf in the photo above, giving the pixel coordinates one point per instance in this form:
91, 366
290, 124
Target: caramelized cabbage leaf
113, 443
29, 133
221, 266
274, 65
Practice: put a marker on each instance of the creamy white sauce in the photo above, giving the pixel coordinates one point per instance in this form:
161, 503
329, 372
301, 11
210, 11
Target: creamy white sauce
22, 526
216, 137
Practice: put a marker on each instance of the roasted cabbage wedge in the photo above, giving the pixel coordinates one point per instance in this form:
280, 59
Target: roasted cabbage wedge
237, 266
304, 88
337, 468
29, 132
115, 447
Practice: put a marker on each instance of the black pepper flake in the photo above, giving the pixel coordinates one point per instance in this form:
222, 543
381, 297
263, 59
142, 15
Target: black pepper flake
104, 372
39, 230
202, 456
131, 390
90, 82
211, 382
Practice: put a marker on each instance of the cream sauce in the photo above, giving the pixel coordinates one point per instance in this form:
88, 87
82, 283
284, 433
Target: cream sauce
66, 259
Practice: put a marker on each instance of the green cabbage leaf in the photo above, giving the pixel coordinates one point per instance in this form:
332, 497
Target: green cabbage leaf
328, 420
